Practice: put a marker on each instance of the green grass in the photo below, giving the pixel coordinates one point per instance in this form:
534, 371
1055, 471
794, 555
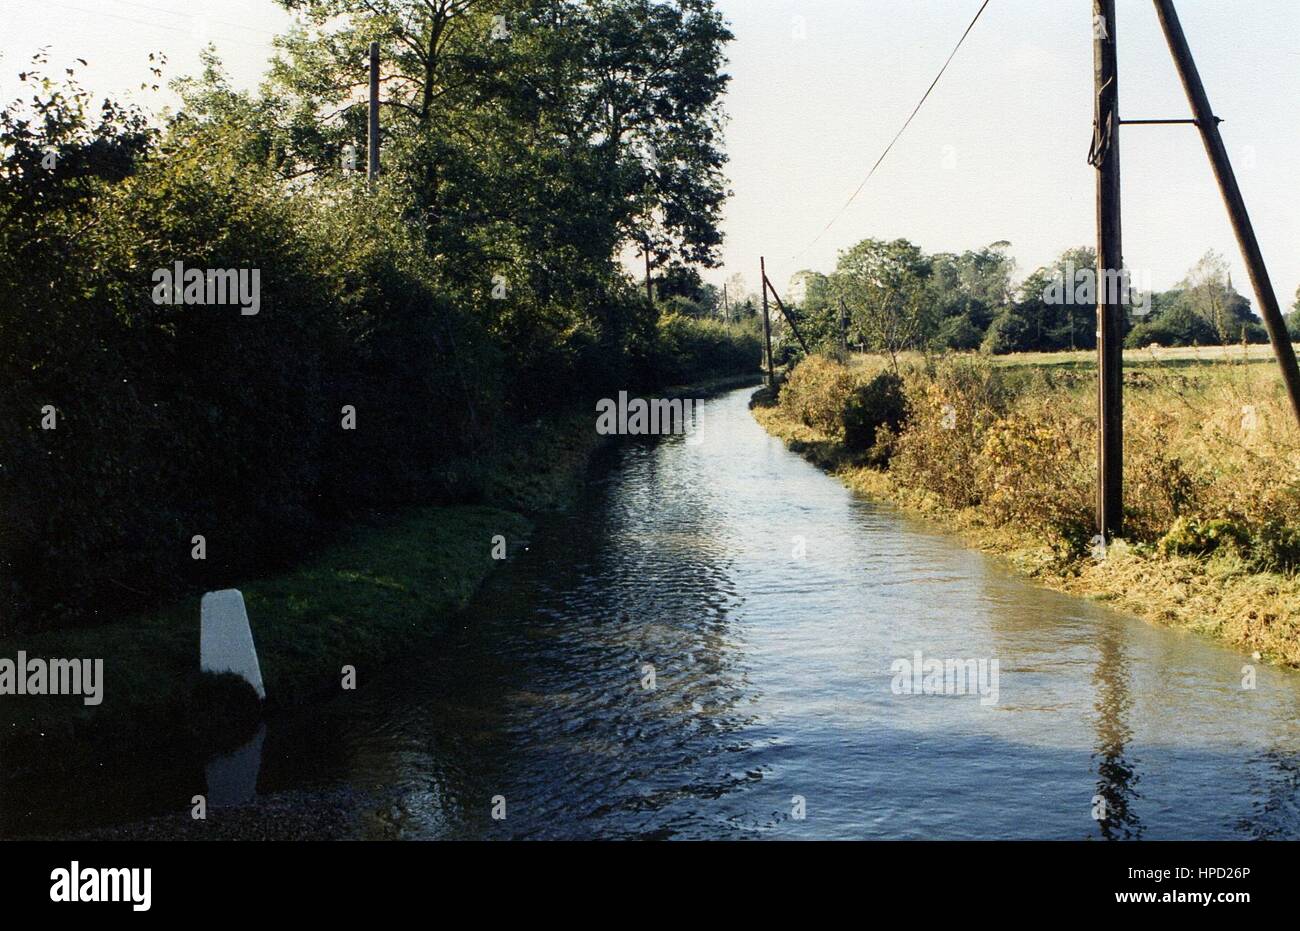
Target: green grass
382, 589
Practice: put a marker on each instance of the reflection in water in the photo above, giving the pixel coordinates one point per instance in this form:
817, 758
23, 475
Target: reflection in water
771, 680
1117, 777
232, 777
1276, 787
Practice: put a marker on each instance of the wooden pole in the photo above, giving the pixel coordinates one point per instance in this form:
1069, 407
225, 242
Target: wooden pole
726, 308
1208, 125
767, 327
649, 292
1110, 263
785, 313
844, 330
374, 113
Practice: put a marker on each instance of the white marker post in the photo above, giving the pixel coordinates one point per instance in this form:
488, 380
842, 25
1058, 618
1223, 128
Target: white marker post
226, 640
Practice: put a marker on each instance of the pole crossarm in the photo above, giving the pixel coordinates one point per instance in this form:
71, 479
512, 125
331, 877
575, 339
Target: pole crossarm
1160, 122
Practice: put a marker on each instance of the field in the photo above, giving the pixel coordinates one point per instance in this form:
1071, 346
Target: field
1003, 450
1087, 358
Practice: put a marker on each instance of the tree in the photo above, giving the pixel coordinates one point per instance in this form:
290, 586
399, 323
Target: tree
884, 285
1058, 306
1209, 293
527, 103
813, 298
1012, 330
967, 291
1172, 322
536, 142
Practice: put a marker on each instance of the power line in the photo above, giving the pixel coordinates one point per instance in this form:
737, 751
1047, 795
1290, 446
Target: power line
193, 16
924, 96
151, 23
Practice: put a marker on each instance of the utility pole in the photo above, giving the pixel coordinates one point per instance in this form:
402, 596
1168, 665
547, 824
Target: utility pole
373, 143
1208, 124
726, 308
1104, 156
844, 331
789, 318
767, 326
649, 293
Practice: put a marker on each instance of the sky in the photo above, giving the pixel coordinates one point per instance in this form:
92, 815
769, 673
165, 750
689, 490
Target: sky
819, 87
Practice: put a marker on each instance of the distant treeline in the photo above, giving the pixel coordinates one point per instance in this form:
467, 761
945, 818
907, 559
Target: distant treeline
402, 336
893, 296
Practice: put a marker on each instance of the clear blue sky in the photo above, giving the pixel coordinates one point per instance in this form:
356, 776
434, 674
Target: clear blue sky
820, 86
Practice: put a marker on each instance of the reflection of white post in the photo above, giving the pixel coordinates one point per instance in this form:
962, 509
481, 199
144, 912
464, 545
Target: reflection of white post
232, 779
693, 426
225, 639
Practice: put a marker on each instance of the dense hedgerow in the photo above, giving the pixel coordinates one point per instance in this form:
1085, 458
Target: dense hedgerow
1212, 462
177, 421
687, 350
815, 393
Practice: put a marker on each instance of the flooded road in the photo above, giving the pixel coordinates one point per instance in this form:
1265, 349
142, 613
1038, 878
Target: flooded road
711, 647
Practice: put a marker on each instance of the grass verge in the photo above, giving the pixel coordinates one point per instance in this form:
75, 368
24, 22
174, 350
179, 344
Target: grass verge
385, 587
389, 584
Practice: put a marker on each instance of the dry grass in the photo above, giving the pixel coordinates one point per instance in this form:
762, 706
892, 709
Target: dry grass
1003, 454
1087, 358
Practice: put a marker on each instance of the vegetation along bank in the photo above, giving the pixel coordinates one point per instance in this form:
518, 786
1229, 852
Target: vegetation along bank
1004, 452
